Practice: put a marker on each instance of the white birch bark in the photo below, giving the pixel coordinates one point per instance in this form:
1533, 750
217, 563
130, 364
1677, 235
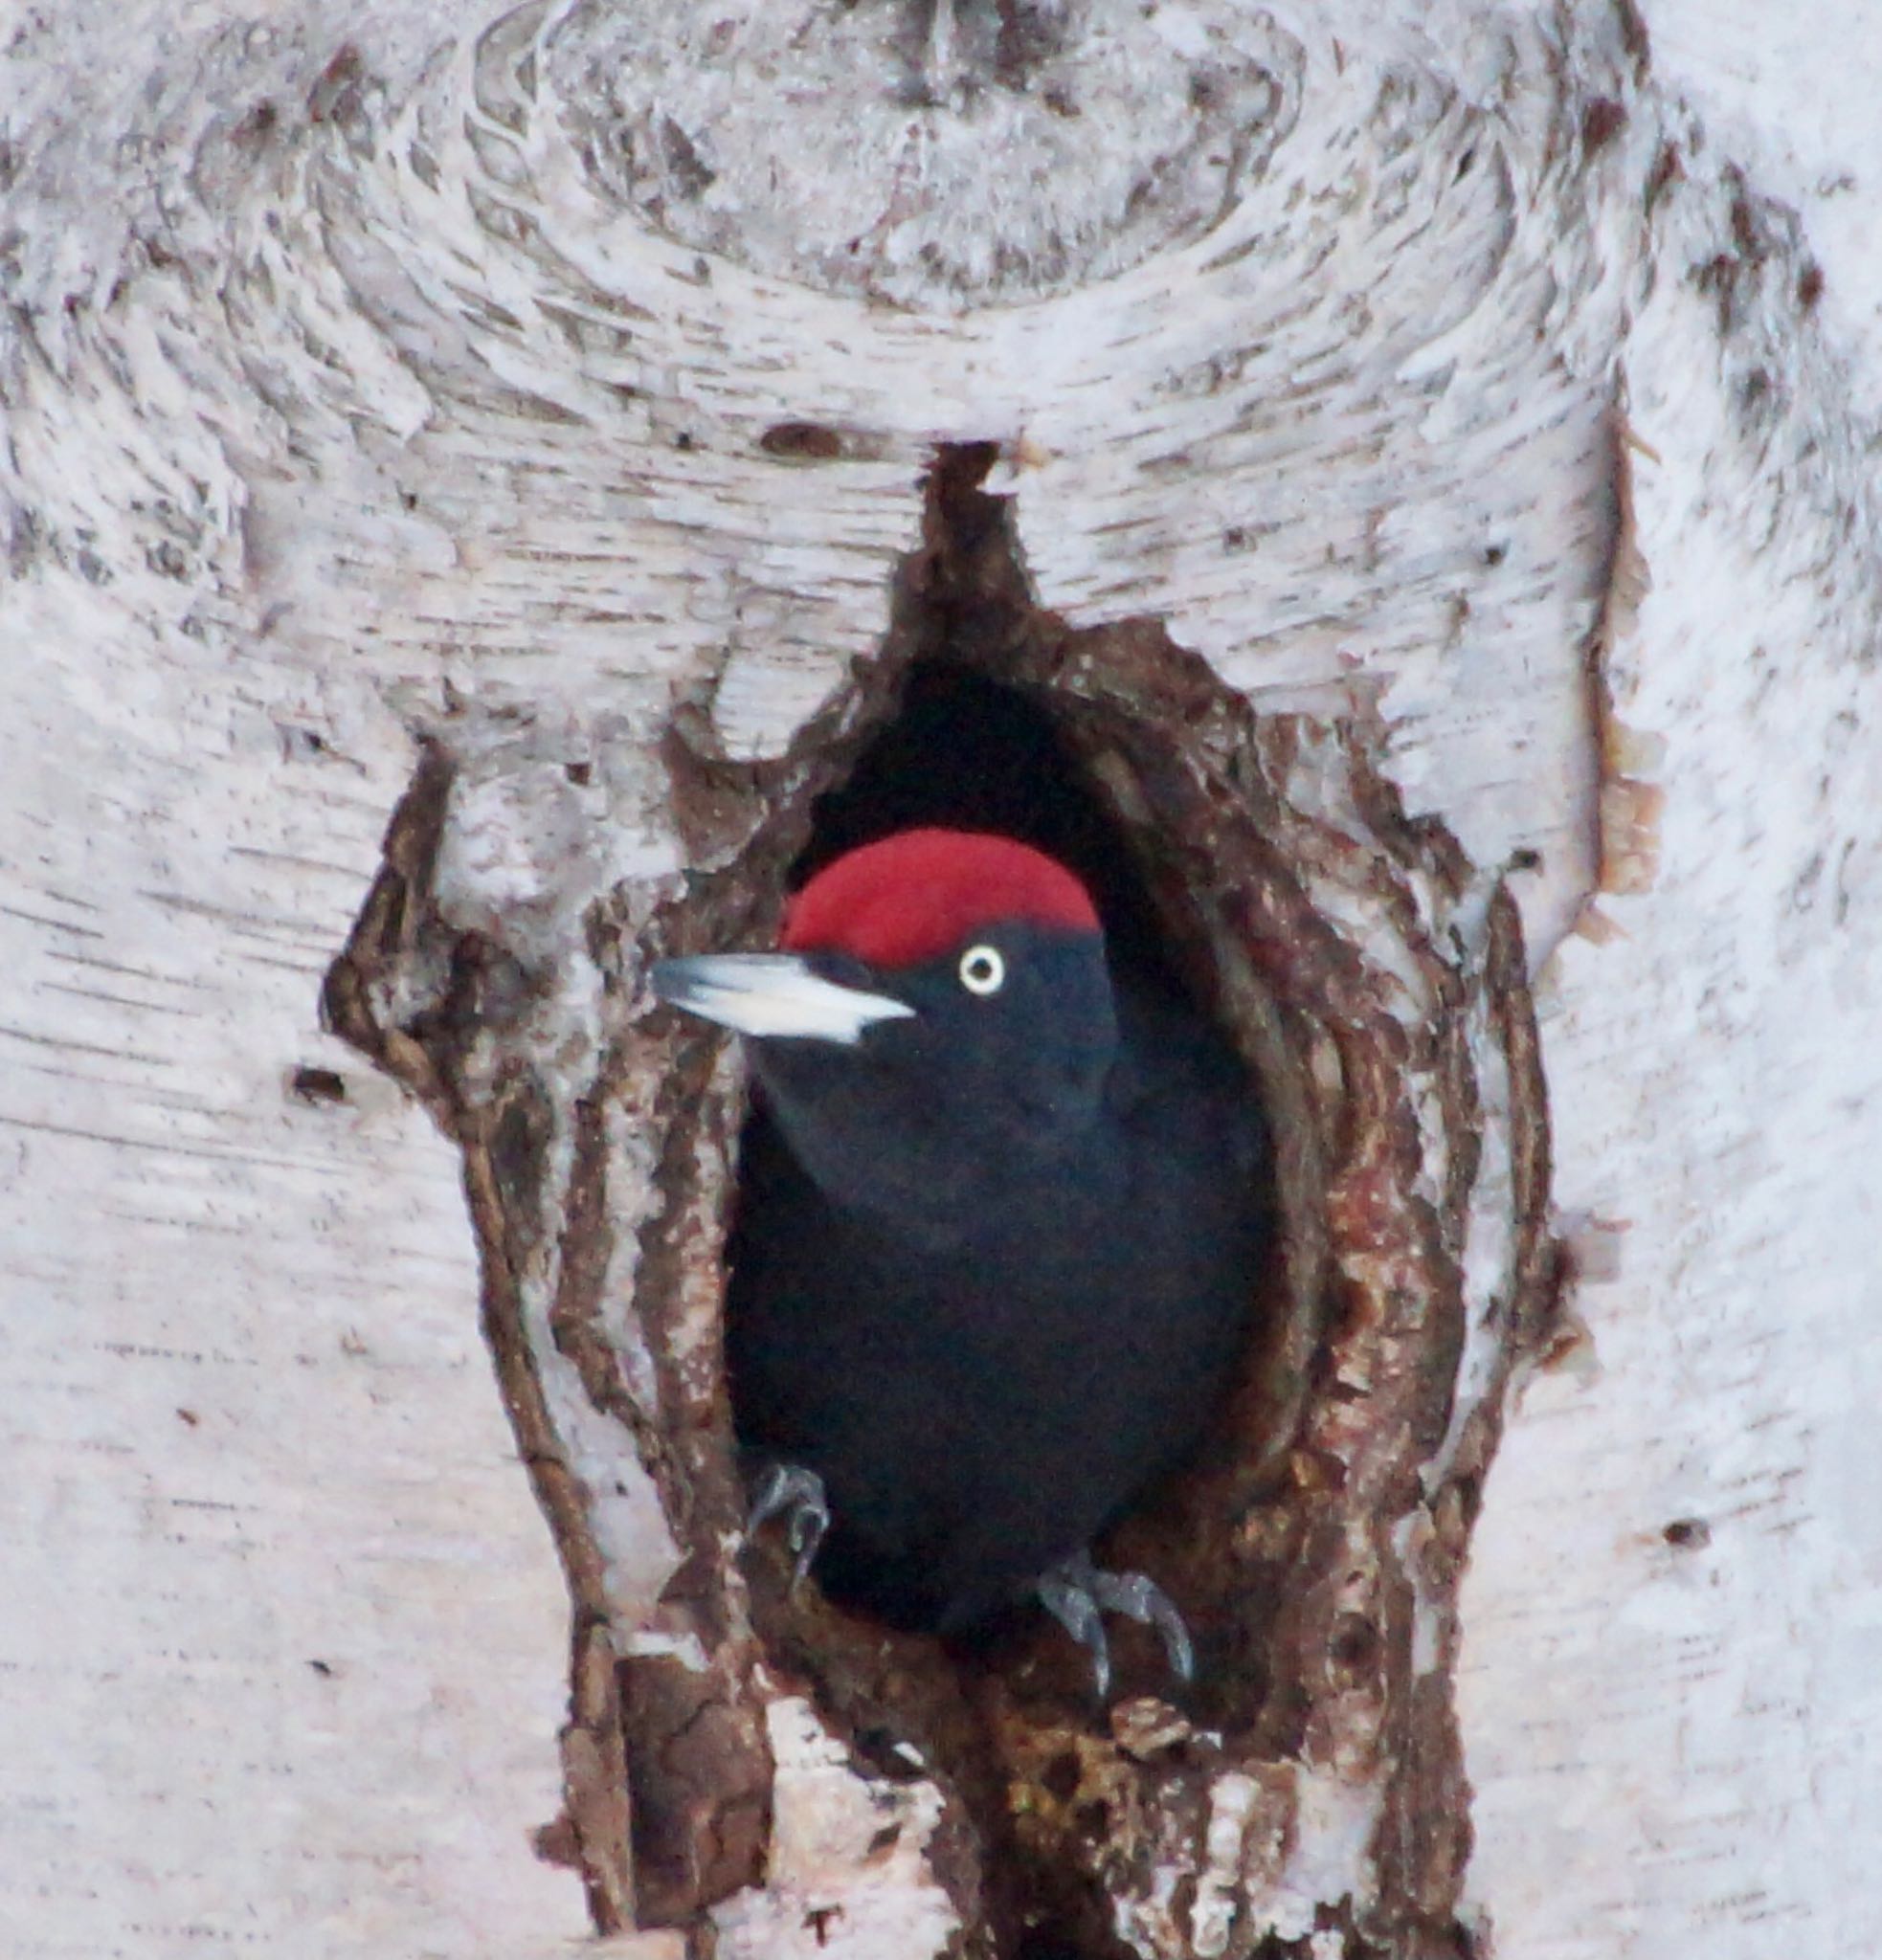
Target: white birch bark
384, 374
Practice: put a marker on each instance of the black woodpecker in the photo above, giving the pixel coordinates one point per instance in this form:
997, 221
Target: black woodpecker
996, 1251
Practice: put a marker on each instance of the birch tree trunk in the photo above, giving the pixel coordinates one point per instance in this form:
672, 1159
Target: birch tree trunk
474, 478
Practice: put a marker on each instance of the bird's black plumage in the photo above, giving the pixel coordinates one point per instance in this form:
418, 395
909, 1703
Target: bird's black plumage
993, 1263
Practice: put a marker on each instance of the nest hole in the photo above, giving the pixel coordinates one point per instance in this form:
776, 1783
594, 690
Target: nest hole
972, 719
1199, 829
953, 746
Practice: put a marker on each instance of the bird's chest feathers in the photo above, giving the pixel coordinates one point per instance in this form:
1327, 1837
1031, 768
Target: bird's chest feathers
931, 1154
1032, 1297
989, 1180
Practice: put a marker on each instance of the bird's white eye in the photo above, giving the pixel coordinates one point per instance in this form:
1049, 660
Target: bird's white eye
982, 970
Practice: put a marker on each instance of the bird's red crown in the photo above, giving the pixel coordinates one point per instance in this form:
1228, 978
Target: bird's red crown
914, 896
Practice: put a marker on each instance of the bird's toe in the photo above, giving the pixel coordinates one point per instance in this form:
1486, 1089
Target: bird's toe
790, 1491
1066, 1594
1078, 1595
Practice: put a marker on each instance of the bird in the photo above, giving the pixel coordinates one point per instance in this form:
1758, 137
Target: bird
1002, 1221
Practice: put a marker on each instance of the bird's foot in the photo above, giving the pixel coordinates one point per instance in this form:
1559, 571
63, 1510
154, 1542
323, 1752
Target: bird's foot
1078, 1595
790, 1491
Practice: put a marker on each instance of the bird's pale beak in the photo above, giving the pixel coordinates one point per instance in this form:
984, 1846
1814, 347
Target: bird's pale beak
773, 996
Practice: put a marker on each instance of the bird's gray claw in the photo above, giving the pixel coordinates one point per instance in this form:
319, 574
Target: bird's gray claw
1078, 1595
1067, 1595
1142, 1599
787, 1490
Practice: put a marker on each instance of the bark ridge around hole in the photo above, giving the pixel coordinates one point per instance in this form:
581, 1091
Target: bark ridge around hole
1375, 986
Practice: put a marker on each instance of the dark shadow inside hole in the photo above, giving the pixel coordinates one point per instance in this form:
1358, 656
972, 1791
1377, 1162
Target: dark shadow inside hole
1054, 1943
